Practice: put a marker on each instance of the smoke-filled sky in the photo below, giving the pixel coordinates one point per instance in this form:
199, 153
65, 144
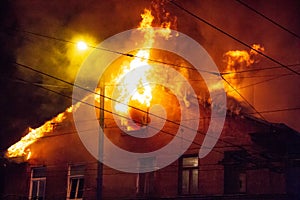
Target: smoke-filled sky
23, 104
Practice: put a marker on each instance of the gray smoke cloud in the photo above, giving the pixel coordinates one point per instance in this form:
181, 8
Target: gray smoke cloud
27, 105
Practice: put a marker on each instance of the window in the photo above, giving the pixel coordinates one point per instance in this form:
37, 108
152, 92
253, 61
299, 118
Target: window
37, 183
188, 175
75, 181
242, 182
145, 181
235, 177
234, 180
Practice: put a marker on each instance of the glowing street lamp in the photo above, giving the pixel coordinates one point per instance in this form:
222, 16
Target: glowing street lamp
81, 46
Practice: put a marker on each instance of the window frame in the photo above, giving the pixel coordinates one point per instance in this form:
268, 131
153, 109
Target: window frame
78, 177
145, 181
190, 170
38, 180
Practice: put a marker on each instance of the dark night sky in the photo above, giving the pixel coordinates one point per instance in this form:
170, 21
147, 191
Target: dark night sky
24, 105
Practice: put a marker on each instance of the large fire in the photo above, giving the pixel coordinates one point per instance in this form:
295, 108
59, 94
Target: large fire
21, 148
238, 60
134, 82
136, 88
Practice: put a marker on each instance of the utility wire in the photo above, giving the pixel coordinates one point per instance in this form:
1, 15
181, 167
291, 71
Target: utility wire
231, 36
129, 55
225, 142
244, 98
259, 76
88, 120
258, 69
66, 96
267, 18
114, 51
149, 59
176, 123
279, 110
92, 92
260, 82
213, 149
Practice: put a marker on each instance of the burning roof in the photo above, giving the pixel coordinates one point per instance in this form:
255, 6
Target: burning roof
141, 83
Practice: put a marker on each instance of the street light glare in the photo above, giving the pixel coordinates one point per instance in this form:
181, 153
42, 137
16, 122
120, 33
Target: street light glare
81, 45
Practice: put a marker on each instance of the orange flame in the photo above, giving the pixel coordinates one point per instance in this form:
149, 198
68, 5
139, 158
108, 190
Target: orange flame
147, 19
138, 82
257, 47
135, 84
21, 148
237, 60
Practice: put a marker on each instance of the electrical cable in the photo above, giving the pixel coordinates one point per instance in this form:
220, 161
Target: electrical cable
152, 60
225, 142
232, 37
267, 18
258, 69
244, 98
105, 110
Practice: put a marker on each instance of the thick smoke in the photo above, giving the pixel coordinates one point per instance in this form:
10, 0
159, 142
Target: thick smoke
30, 105
8, 99
251, 28
27, 105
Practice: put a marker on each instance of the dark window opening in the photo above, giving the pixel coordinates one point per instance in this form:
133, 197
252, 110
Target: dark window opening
76, 188
76, 181
235, 177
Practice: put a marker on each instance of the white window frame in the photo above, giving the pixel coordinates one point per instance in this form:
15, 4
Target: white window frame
39, 179
189, 170
145, 181
70, 177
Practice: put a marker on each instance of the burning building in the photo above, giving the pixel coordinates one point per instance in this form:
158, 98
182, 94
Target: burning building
252, 159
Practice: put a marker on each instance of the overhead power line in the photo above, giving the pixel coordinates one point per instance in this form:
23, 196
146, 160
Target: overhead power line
231, 36
279, 110
267, 18
124, 54
72, 132
258, 69
41, 86
114, 51
111, 112
260, 82
196, 143
244, 98
149, 59
92, 92
174, 135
